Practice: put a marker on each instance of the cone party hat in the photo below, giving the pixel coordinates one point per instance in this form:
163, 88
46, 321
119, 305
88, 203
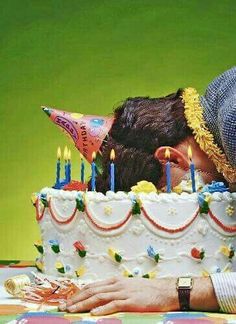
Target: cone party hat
87, 131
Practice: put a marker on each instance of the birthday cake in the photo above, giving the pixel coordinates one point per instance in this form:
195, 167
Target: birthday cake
92, 236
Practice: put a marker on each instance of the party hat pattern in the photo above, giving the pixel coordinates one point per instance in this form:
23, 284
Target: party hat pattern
86, 131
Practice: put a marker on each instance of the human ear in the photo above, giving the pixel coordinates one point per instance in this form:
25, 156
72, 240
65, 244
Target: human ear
176, 157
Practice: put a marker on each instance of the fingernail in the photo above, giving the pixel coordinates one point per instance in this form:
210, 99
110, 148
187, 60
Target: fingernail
95, 311
62, 306
72, 308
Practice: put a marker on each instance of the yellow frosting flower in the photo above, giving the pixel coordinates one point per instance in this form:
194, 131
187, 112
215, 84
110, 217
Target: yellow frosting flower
144, 186
34, 198
224, 250
127, 273
208, 198
178, 189
38, 243
230, 210
114, 255
58, 265
80, 271
39, 264
205, 273
150, 275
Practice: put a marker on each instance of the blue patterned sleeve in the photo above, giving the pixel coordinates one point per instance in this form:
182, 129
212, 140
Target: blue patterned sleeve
227, 128
219, 110
225, 289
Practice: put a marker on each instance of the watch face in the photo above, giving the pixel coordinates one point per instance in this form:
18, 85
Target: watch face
184, 282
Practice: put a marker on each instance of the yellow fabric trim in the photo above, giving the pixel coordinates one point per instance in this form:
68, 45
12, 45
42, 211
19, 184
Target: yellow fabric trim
194, 116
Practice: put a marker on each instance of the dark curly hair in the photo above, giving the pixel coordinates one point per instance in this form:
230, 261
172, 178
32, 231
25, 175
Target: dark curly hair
141, 125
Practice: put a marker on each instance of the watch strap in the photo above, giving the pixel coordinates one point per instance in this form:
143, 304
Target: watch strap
184, 298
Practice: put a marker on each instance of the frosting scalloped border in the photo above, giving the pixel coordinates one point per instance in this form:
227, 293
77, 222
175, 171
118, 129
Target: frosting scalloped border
170, 230
194, 115
41, 209
226, 228
38, 215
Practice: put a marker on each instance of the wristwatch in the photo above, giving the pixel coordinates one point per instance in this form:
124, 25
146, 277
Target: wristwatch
184, 286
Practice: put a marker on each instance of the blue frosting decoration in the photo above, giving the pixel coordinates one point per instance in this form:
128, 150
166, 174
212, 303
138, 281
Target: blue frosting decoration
43, 198
53, 242
153, 254
151, 251
215, 187
80, 202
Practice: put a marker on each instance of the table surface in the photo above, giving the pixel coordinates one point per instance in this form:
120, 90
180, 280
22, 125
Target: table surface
49, 315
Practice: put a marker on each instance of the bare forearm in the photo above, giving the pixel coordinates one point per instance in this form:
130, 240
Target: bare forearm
202, 296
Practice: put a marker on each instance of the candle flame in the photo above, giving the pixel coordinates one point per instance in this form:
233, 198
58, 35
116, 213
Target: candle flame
167, 153
65, 154
81, 156
112, 155
58, 153
190, 154
94, 156
69, 155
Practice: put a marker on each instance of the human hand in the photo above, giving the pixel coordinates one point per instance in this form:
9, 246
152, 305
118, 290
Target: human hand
120, 294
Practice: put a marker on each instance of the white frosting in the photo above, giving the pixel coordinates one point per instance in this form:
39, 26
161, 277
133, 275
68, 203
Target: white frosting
172, 226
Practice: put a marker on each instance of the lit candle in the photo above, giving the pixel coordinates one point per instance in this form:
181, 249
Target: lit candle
168, 171
192, 169
69, 167
65, 156
93, 166
82, 167
112, 170
58, 165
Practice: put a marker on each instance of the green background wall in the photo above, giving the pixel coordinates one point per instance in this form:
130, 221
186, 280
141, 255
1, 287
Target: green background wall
87, 56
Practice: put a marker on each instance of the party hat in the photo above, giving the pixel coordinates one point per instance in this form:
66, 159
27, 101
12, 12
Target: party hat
87, 131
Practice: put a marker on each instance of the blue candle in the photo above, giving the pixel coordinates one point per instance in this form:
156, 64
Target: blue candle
82, 168
112, 171
69, 167
65, 155
192, 169
168, 171
94, 173
58, 166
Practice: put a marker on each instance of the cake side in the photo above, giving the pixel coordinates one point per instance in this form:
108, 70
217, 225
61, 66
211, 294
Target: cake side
94, 236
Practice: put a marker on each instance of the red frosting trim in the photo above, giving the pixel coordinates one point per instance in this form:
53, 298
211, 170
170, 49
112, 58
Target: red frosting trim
38, 216
67, 221
113, 227
226, 228
75, 185
166, 229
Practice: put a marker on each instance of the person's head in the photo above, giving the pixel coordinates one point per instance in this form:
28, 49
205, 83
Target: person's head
141, 126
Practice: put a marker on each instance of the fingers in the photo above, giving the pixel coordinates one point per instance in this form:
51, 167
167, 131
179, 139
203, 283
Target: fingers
90, 290
94, 301
112, 307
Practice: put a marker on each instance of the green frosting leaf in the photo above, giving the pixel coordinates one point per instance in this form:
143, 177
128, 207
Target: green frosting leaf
80, 205
136, 208
118, 257
204, 208
157, 258
82, 254
44, 201
61, 270
39, 248
55, 248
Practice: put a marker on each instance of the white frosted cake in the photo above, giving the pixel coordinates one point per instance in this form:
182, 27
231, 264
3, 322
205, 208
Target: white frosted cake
94, 236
